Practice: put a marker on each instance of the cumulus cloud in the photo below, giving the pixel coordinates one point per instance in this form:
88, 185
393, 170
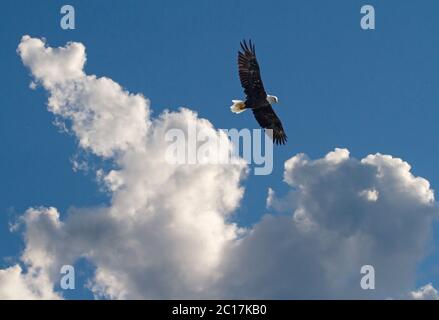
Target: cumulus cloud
331, 229
427, 292
14, 284
105, 118
167, 225
168, 231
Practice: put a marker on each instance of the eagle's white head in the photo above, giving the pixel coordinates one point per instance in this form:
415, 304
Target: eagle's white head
272, 99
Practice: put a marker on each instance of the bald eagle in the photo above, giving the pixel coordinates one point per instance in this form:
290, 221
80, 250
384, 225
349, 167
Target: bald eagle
256, 97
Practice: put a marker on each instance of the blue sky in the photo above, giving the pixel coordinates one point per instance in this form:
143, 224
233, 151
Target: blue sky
338, 85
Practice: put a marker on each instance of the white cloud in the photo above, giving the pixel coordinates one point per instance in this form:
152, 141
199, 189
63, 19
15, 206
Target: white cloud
329, 232
168, 231
369, 195
32, 285
105, 118
167, 225
427, 292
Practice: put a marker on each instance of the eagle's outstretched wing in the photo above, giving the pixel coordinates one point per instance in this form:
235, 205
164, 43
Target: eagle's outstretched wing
267, 119
250, 75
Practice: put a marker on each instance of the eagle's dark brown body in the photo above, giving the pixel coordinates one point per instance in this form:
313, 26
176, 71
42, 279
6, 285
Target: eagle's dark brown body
256, 97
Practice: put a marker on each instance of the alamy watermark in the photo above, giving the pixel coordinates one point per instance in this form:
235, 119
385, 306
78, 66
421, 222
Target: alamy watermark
67, 281
367, 22
368, 280
68, 20
228, 146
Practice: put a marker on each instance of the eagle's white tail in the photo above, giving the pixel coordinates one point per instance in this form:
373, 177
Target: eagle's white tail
238, 106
